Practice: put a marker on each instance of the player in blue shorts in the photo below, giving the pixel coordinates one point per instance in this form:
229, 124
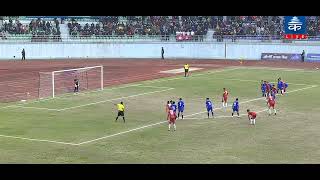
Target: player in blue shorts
235, 107
180, 108
263, 88
209, 107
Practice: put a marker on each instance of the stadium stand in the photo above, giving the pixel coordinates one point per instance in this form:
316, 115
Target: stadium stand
164, 28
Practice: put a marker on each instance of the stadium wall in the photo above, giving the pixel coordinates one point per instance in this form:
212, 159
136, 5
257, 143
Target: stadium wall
204, 50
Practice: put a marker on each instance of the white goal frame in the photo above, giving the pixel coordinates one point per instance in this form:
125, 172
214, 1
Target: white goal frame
75, 69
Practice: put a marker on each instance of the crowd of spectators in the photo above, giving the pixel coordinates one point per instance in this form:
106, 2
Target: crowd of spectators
40, 30
165, 26
269, 27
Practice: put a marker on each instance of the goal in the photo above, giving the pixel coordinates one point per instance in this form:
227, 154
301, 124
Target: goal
60, 82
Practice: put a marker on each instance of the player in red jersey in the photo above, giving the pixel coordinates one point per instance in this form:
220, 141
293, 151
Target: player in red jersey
268, 89
168, 106
225, 99
252, 116
172, 119
271, 103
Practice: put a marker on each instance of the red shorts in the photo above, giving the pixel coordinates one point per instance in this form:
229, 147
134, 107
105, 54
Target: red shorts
272, 104
225, 99
253, 117
172, 121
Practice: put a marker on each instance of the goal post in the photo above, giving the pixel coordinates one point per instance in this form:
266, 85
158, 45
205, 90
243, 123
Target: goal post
62, 81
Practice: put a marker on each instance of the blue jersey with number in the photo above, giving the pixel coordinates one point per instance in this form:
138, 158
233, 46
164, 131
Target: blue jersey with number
209, 105
263, 87
174, 107
180, 105
280, 85
235, 106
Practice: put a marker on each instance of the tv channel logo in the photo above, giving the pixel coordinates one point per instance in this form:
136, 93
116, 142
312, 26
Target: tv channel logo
295, 25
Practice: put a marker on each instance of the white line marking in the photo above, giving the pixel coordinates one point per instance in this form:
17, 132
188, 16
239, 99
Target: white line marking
209, 72
38, 108
110, 100
179, 70
160, 87
41, 140
190, 115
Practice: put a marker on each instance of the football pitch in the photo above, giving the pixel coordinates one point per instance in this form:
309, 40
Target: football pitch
81, 128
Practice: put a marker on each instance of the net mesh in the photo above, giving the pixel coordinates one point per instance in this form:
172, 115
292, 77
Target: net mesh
89, 79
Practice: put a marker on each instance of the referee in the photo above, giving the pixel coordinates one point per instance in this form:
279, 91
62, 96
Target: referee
186, 70
120, 111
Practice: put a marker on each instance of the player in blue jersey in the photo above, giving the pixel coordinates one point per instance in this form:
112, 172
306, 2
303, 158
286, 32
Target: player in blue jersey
180, 108
285, 86
280, 86
209, 107
263, 88
235, 107
174, 107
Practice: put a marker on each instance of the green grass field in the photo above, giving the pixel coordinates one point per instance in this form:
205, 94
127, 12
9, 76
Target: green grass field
81, 128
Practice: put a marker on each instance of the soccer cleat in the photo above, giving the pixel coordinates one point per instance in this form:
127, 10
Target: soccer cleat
275, 113
168, 129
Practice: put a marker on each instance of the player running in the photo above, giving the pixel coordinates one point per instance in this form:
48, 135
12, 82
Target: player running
172, 119
271, 103
235, 107
225, 98
209, 107
180, 108
252, 117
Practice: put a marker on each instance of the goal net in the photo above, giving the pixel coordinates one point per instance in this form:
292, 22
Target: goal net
60, 82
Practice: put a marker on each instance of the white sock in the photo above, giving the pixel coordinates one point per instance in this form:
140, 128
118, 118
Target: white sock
254, 121
275, 111
174, 126
169, 126
269, 111
226, 104
251, 121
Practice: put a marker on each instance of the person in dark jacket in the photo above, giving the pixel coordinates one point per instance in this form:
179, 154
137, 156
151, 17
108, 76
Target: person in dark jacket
23, 54
302, 56
162, 53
